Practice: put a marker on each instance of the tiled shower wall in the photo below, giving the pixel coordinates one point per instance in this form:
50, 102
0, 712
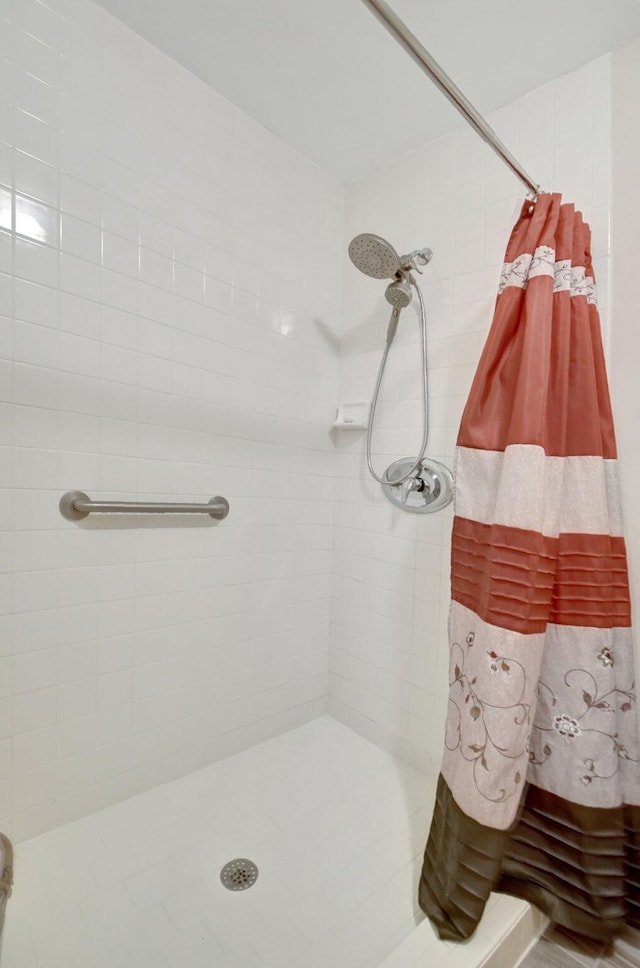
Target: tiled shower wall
168, 331
389, 655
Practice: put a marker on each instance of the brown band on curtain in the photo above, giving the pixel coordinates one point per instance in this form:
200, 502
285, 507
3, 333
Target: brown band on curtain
579, 865
461, 868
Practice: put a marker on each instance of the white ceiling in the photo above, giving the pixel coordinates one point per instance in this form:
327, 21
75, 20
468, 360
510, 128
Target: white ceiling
326, 77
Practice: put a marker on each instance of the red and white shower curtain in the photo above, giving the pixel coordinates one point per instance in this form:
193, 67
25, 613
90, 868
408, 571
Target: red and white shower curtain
539, 792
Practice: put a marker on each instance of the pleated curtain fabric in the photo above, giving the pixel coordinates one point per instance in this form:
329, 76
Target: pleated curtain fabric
539, 790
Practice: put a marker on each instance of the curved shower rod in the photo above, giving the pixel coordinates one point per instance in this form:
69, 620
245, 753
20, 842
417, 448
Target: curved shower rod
398, 29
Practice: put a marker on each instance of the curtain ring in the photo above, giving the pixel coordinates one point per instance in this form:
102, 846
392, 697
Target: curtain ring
533, 196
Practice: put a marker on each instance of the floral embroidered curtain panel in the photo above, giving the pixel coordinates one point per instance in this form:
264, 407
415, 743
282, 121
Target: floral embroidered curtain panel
539, 791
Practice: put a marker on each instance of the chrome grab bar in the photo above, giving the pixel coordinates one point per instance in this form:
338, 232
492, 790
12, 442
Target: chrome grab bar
75, 505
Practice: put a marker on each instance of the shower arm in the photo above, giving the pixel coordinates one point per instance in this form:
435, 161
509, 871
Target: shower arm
398, 29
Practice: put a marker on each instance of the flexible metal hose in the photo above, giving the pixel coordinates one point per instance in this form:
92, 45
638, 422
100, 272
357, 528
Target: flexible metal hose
391, 332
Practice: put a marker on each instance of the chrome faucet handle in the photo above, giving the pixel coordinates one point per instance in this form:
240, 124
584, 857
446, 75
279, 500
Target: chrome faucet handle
414, 483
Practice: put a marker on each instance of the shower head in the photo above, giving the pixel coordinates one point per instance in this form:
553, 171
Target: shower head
374, 256
398, 294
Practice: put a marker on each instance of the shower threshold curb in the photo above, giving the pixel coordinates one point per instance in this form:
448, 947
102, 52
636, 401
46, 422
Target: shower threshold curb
508, 930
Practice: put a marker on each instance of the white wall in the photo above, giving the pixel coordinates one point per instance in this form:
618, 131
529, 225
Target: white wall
625, 330
169, 336
389, 653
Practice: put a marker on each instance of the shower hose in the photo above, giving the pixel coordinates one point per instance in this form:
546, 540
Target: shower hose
391, 332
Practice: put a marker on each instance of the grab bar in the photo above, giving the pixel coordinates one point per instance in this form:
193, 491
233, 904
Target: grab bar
75, 505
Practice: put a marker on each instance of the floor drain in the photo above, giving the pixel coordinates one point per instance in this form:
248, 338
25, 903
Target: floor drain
239, 874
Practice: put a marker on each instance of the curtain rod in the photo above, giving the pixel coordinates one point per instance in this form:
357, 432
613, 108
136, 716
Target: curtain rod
398, 29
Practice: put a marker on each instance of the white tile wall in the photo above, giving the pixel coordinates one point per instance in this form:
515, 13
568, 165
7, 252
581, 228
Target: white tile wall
389, 652
165, 333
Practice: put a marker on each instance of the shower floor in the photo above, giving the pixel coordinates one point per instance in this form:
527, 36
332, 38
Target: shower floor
335, 825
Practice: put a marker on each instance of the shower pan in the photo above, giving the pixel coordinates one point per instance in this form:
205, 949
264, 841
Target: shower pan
419, 485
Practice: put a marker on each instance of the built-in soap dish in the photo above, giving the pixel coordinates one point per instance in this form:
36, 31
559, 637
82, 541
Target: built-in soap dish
352, 416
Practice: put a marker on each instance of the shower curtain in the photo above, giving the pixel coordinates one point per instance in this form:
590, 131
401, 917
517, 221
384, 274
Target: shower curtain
539, 790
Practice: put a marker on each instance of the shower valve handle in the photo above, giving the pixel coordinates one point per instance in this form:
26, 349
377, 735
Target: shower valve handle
414, 483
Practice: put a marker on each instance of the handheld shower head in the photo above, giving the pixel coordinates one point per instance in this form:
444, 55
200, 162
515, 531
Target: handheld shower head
399, 294
374, 256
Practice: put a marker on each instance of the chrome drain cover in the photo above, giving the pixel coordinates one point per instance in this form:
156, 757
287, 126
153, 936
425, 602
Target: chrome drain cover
239, 874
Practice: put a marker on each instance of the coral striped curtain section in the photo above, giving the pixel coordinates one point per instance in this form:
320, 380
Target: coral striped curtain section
539, 791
